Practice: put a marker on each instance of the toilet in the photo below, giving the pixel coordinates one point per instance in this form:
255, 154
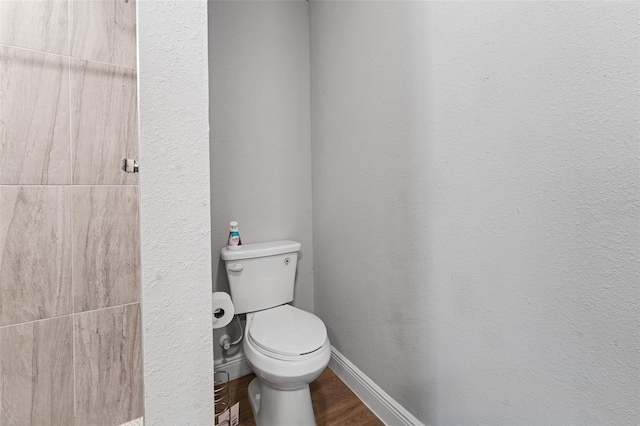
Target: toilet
286, 347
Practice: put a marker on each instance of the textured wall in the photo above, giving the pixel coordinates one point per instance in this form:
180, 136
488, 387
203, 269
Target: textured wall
475, 196
260, 132
175, 212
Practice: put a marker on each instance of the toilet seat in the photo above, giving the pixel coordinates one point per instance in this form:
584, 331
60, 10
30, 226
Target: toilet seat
286, 332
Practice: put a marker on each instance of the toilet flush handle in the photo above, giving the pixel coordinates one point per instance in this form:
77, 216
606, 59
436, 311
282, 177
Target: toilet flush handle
236, 267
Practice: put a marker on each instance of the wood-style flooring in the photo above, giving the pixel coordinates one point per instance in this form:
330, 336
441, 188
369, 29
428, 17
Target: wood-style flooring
333, 402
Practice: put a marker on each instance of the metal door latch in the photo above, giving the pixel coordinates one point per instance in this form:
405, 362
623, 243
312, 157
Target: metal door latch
129, 165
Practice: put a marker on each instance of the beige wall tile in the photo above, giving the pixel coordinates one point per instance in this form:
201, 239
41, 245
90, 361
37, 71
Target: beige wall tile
108, 366
106, 246
36, 372
35, 24
104, 121
104, 30
35, 253
34, 112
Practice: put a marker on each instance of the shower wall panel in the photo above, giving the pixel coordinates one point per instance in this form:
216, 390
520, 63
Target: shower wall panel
70, 344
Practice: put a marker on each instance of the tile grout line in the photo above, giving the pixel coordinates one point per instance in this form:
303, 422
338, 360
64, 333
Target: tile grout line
65, 56
35, 321
69, 315
68, 184
73, 301
1, 396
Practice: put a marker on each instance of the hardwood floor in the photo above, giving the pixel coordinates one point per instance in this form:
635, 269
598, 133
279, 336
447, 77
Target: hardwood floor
333, 402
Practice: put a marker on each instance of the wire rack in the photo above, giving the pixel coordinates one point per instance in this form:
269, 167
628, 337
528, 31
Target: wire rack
221, 393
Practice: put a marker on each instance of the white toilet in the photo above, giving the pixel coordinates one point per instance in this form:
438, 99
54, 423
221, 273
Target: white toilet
286, 347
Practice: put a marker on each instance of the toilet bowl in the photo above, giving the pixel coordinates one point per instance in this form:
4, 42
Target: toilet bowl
286, 347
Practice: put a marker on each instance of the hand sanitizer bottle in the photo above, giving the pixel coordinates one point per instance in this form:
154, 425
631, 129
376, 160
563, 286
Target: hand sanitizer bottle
234, 237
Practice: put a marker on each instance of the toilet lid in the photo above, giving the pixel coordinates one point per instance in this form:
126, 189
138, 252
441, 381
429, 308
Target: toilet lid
286, 330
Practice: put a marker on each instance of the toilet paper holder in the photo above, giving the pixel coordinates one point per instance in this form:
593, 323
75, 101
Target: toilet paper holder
223, 309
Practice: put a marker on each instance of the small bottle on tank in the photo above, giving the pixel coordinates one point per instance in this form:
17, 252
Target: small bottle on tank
234, 242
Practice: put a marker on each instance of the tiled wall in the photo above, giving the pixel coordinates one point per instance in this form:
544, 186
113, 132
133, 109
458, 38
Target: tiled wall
69, 232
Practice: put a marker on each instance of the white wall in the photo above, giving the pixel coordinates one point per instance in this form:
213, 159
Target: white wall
260, 132
475, 196
175, 212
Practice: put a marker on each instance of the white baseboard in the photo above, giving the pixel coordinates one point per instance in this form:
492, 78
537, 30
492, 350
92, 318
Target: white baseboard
236, 367
379, 402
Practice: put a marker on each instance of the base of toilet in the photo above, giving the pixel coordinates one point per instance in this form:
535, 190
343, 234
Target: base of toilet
275, 407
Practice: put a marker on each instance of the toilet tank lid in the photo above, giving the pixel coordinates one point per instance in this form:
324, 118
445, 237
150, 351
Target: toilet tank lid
248, 251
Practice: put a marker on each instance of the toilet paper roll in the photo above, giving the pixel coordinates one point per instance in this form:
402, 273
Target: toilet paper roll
223, 309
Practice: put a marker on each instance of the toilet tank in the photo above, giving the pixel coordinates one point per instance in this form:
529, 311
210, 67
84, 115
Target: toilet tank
261, 275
